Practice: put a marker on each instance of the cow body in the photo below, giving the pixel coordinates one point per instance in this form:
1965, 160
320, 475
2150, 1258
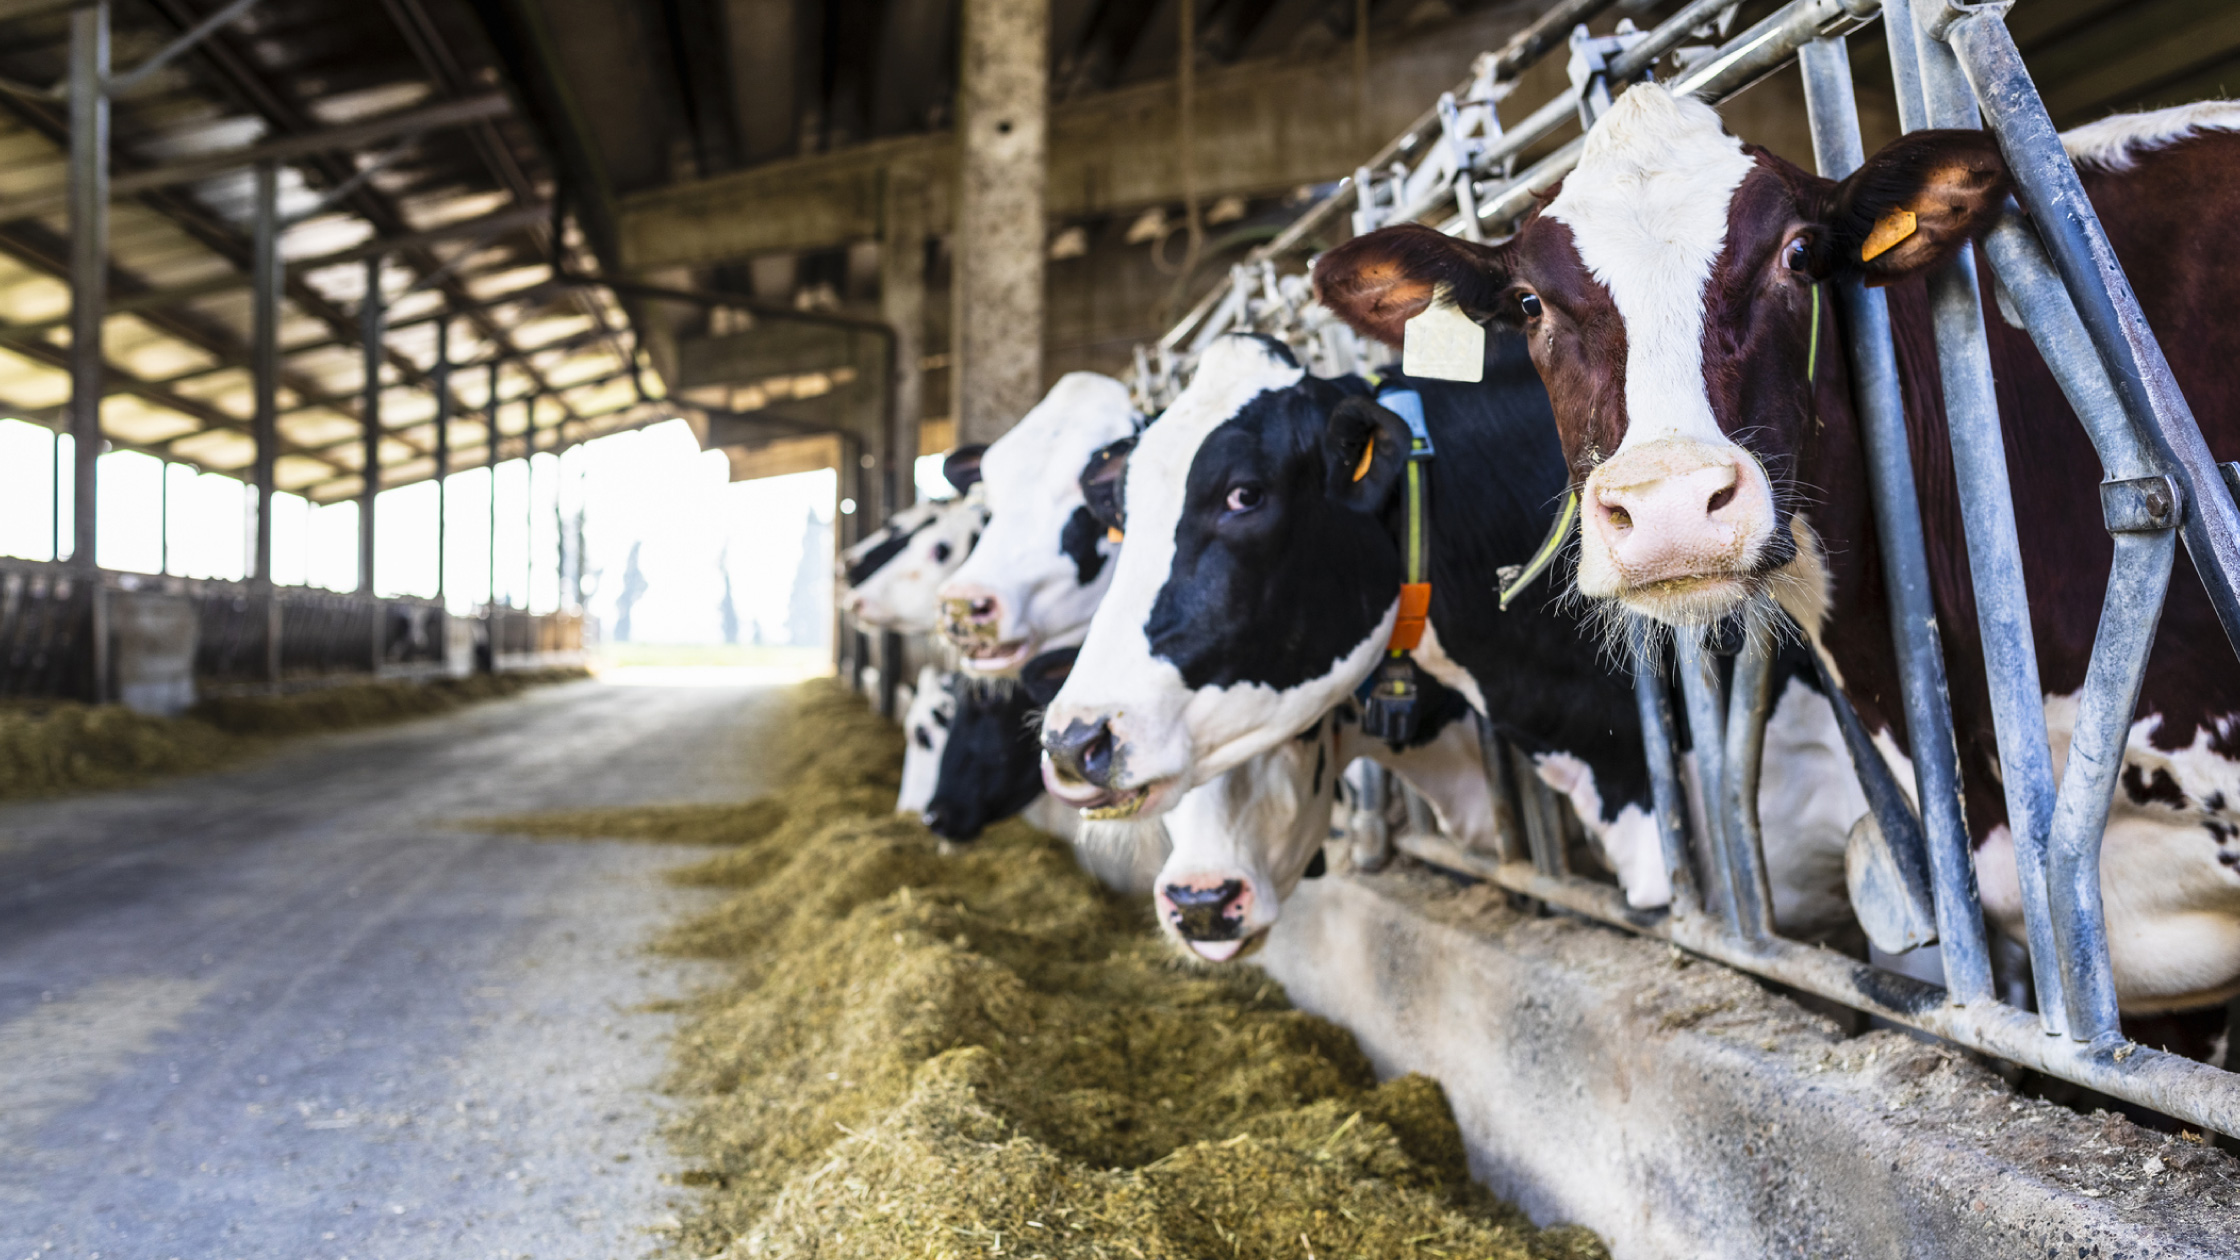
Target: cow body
1043, 561
1723, 467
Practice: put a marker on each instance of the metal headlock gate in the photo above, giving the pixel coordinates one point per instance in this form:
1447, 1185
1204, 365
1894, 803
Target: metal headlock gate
1950, 62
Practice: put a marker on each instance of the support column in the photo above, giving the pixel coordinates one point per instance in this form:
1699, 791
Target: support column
528, 500
370, 332
490, 606
443, 450
264, 356
902, 303
89, 293
1003, 115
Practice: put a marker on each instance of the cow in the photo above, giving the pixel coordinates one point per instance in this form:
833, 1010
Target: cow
1259, 587
990, 766
925, 732
1668, 293
1241, 842
1043, 562
888, 580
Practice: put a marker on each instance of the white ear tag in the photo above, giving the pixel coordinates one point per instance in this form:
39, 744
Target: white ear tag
1443, 344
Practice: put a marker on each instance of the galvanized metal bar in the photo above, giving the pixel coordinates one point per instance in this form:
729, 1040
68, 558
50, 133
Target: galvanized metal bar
264, 355
1994, 548
2047, 186
1707, 737
1660, 742
2031, 289
1876, 392
2194, 1093
370, 335
1749, 701
2137, 582
443, 454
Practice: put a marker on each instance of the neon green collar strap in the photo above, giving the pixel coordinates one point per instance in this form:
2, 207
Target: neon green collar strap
1515, 577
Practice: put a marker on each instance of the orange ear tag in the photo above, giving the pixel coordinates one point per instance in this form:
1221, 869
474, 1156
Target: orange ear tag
1888, 232
1111, 534
1368, 454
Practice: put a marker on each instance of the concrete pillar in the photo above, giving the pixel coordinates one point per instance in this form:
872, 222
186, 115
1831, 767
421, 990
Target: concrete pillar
902, 303
264, 357
1003, 115
89, 261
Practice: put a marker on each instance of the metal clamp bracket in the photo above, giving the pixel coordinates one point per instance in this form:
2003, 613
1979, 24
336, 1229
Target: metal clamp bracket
2142, 505
1589, 67
1937, 16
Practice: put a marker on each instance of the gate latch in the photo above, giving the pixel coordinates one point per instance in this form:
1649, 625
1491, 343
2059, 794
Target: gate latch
2142, 505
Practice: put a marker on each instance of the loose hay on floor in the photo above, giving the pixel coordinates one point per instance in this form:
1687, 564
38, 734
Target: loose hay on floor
53, 746
984, 1053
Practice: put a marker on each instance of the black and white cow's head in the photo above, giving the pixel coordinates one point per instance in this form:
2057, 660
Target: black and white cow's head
990, 766
888, 580
1256, 589
1241, 842
1667, 292
925, 732
1044, 562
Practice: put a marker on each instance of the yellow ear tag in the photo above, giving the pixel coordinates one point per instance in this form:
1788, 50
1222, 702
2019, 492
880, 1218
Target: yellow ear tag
1368, 454
1111, 534
1888, 231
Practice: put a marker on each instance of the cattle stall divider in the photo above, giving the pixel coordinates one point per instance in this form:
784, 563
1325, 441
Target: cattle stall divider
1953, 65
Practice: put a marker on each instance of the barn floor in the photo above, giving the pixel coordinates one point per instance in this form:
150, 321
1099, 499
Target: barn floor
289, 1011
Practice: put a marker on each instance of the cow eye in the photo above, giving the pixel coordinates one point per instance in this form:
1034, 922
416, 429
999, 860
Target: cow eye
941, 552
1530, 304
1797, 256
1244, 498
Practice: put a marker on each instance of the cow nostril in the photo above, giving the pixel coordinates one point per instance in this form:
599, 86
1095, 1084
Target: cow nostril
983, 608
1719, 500
1620, 518
1083, 752
1206, 914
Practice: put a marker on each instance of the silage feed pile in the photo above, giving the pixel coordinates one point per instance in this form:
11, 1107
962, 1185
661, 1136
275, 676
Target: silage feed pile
48, 747
979, 1053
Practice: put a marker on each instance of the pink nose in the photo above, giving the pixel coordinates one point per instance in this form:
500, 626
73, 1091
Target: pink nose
1676, 513
970, 605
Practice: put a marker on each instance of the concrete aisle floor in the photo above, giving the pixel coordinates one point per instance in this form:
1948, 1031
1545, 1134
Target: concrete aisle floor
286, 1012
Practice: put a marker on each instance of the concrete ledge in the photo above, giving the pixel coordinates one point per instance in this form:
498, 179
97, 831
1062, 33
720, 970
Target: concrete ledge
1682, 1110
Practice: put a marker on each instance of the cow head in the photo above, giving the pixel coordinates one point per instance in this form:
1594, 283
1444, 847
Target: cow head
1667, 292
1257, 586
1242, 841
990, 766
890, 578
1042, 564
925, 732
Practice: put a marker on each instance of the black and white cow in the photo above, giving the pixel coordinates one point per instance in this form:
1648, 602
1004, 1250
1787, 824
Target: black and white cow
888, 581
1043, 562
1260, 582
925, 731
991, 765
1667, 291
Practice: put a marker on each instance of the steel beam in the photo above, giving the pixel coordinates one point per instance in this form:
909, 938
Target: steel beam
88, 199
370, 334
443, 450
265, 358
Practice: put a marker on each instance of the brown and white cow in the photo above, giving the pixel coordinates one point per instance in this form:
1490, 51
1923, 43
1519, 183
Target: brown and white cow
1667, 291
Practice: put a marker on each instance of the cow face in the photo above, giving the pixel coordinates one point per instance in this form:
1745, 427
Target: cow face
1667, 293
1256, 587
1043, 562
925, 731
990, 766
1243, 840
891, 576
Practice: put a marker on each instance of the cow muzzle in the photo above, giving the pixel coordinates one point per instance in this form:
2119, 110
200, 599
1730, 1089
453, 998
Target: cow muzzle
972, 619
1212, 914
1082, 765
1674, 529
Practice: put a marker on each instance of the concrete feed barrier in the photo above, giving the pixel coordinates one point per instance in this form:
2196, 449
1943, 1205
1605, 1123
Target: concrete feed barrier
1682, 1110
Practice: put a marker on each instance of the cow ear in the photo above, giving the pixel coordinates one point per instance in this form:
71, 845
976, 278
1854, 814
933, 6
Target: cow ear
1915, 204
962, 467
1101, 484
1366, 446
1043, 675
1378, 282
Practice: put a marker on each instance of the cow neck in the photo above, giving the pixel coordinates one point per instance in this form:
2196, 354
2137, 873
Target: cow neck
1390, 698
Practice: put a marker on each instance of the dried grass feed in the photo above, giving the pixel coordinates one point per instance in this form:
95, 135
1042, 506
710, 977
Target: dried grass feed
983, 1053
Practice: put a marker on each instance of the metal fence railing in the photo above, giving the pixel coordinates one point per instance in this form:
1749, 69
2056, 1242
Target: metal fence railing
1950, 62
59, 633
